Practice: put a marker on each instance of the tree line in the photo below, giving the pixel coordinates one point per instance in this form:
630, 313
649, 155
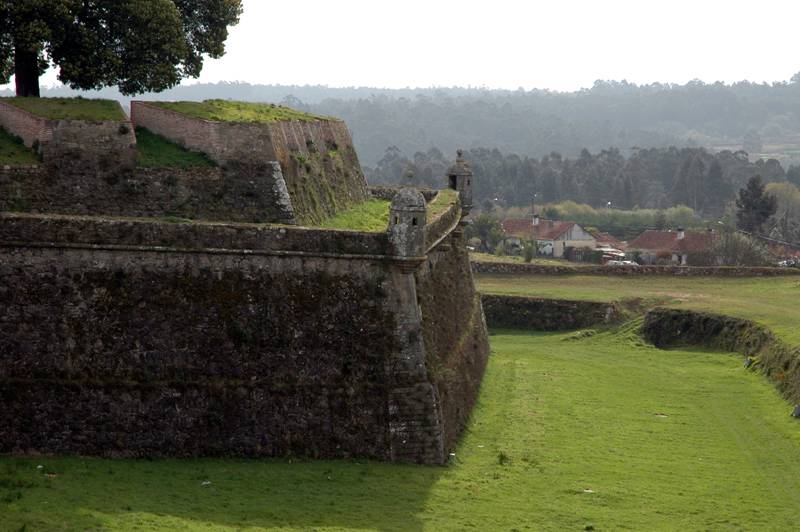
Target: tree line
652, 178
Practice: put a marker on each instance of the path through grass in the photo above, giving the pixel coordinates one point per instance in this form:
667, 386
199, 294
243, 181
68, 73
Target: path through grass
601, 432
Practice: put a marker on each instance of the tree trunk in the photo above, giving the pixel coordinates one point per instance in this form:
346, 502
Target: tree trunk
26, 72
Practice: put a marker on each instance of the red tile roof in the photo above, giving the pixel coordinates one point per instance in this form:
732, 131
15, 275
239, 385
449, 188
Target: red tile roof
521, 227
551, 229
604, 239
546, 230
692, 242
783, 252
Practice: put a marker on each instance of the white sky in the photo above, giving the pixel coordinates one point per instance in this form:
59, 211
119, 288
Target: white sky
554, 44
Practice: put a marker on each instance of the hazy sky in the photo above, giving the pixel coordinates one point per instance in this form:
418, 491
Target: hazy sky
555, 44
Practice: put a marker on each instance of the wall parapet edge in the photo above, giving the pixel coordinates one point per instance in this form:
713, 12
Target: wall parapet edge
160, 235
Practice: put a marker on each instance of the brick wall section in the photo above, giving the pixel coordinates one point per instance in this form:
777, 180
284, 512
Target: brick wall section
318, 160
234, 194
293, 341
30, 128
677, 271
193, 134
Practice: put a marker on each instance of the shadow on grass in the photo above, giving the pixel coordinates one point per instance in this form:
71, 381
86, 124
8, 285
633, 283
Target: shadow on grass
89, 493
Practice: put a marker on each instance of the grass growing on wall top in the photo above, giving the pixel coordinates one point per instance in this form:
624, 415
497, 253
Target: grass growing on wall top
13, 152
69, 108
369, 216
156, 151
229, 111
600, 433
439, 204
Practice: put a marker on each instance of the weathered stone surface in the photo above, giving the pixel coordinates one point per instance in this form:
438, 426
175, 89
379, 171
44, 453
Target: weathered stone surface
319, 163
537, 314
97, 149
145, 338
251, 194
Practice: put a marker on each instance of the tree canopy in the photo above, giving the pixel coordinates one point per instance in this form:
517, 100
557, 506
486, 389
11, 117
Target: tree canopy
136, 45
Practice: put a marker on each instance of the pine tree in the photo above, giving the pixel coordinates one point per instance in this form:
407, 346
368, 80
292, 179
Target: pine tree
754, 206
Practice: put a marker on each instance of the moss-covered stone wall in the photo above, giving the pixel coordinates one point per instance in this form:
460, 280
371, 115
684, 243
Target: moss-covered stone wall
454, 331
319, 163
229, 194
151, 338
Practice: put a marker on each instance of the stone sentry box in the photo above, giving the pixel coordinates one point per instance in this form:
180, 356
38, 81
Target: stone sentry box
71, 147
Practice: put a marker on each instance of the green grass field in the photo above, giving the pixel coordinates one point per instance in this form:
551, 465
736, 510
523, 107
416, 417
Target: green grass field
229, 111
373, 215
369, 216
600, 433
13, 152
771, 301
69, 108
156, 151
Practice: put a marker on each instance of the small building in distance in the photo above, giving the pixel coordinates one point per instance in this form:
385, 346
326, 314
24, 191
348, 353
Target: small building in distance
552, 237
671, 247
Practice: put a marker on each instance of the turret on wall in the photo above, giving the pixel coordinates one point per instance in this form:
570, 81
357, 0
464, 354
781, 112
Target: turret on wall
407, 219
459, 178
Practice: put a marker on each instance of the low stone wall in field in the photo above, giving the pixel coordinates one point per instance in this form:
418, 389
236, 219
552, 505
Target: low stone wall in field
673, 271
513, 312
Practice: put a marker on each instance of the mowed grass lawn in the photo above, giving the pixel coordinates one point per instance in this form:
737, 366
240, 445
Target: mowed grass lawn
600, 433
771, 301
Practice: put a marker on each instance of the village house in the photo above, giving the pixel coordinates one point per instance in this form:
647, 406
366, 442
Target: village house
552, 237
673, 247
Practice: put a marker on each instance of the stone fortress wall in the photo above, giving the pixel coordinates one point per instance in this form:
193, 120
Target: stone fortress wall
288, 172
320, 168
144, 337
71, 147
